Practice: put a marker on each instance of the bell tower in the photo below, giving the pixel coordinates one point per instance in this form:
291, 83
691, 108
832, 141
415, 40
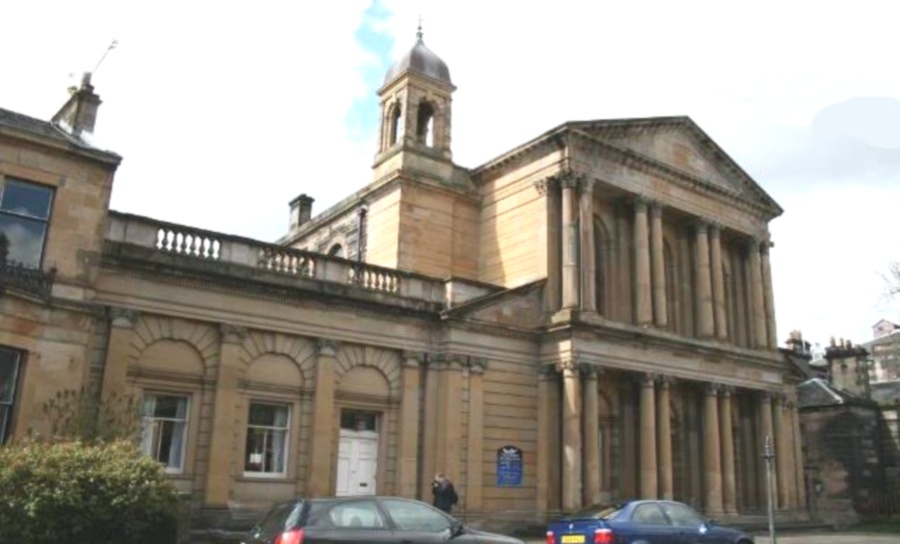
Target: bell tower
416, 115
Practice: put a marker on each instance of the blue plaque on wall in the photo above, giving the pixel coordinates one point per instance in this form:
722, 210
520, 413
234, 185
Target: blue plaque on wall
509, 466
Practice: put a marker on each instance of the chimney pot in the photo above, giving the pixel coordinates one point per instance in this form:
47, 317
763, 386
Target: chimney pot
301, 210
79, 113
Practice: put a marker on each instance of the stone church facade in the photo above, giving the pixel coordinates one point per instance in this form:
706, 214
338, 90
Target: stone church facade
597, 301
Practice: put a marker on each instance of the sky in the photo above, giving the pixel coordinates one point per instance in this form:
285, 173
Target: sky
226, 111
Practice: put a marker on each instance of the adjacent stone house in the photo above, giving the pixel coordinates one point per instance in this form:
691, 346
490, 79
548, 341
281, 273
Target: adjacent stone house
586, 317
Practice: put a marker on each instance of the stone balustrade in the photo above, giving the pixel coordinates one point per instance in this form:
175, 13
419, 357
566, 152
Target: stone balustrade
170, 238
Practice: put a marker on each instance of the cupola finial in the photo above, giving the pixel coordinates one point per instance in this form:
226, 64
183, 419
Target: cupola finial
419, 29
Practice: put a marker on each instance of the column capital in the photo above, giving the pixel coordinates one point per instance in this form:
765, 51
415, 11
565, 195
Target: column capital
715, 228
665, 381
753, 243
591, 372
232, 334
712, 389
477, 365
727, 390
413, 359
326, 347
648, 379
641, 203
545, 185
656, 209
586, 185
568, 178
546, 372
567, 366
124, 318
700, 225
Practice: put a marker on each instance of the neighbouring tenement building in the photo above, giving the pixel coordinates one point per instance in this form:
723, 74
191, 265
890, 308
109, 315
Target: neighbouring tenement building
586, 317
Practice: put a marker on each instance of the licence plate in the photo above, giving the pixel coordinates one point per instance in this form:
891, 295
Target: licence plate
573, 539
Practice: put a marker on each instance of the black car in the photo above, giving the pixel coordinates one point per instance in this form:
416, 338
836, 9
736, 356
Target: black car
642, 522
364, 519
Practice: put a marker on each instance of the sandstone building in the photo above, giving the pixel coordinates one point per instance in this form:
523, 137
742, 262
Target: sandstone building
586, 317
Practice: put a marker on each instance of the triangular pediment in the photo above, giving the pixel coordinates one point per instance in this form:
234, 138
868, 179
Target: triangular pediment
677, 143
517, 308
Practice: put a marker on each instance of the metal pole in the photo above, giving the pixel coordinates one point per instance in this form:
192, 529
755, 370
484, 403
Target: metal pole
769, 456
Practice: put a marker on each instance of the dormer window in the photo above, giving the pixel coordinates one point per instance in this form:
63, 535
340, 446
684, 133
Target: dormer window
24, 216
425, 124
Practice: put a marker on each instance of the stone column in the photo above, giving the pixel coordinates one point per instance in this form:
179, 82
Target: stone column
664, 439
115, 369
432, 401
705, 327
760, 339
799, 463
642, 291
409, 426
768, 296
322, 452
570, 280
712, 453
475, 445
729, 486
783, 453
658, 262
591, 419
649, 484
718, 281
545, 424
549, 188
223, 437
449, 451
765, 413
571, 484
587, 258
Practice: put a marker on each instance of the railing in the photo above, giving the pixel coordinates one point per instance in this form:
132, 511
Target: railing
32, 281
228, 249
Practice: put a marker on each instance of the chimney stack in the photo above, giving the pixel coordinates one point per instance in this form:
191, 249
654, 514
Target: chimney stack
79, 114
301, 210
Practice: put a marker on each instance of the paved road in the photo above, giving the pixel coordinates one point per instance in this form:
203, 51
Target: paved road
819, 538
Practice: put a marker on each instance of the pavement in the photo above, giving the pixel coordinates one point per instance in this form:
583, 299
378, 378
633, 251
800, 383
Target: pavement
818, 538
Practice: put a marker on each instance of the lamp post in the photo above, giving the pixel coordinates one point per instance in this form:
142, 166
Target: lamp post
769, 456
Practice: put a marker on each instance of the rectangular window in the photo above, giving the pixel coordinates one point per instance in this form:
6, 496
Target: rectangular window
24, 214
164, 431
267, 431
10, 360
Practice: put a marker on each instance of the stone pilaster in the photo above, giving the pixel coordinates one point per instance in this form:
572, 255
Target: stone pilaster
783, 453
449, 430
570, 276
408, 468
219, 473
718, 281
729, 486
658, 265
705, 326
591, 419
115, 370
474, 497
768, 296
432, 401
322, 452
760, 337
642, 289
664, 439
546, 381
712, 452
587, 258
649, 484
799, 464
571, 483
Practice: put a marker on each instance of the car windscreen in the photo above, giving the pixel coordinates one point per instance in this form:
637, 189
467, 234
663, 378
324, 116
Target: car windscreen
599, 512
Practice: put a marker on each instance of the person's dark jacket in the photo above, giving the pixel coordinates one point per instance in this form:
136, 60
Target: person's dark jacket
444, 495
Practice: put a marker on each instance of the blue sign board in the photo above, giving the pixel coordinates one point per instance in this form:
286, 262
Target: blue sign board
509, 466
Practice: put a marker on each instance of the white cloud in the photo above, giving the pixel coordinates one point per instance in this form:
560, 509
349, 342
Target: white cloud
226, 111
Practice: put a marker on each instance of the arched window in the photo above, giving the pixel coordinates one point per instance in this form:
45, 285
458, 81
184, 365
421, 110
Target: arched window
425, 124
394, 127
336, 251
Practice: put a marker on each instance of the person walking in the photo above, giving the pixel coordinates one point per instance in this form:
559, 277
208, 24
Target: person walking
445, 496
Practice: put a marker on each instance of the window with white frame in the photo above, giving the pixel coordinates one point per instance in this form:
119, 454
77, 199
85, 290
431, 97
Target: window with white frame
164, 431
24, 215
267, 432
10, 360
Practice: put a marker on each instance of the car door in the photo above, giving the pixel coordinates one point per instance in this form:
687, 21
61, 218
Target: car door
647, 525
691, 527
417, 523
356, 520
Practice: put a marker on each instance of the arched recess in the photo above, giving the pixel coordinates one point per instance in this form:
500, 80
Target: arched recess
336, 250
385, 361
299, 351
201, 337
170, 357
394, 123
425, 124
603, 262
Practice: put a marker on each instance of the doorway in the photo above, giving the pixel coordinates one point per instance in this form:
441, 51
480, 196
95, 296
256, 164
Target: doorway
357, 454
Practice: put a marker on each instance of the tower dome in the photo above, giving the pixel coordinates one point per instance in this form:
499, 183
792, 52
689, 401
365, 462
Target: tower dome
421, 60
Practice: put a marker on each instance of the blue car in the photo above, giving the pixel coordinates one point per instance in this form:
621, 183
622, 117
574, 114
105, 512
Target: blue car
642, 522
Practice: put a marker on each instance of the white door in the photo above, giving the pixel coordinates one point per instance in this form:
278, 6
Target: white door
357, 463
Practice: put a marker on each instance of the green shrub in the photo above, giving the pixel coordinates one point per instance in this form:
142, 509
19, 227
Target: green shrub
73, 492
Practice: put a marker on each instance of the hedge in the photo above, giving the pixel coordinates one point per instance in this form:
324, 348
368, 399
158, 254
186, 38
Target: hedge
76, 492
